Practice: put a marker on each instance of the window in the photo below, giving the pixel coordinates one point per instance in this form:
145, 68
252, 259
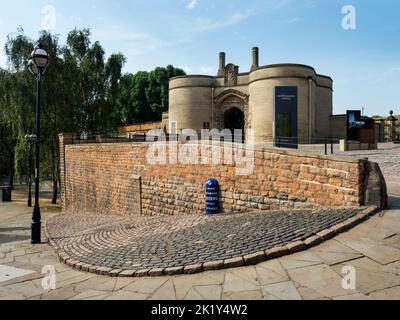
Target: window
172, 127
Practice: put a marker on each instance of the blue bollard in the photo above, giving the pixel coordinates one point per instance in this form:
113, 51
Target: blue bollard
212, 196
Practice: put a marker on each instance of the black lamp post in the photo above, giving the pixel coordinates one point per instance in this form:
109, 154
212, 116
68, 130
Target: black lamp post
30, 138
37, 65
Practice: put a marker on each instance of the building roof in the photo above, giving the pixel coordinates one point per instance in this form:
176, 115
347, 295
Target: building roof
139, 127
261, 67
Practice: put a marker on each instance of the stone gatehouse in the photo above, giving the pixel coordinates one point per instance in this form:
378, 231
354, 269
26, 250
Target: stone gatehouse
280, 100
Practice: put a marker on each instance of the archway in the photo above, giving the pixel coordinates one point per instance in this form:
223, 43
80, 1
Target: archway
227, 100
234, 120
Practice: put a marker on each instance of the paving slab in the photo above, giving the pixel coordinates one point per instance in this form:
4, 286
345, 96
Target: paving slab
299, 260
356, 296
127, 295
183, 283
283, 290
243, 295
371, 276
321, 279
90, 294
249, 274
269, 276
26, 289
165, 292
97, 284
146, 285
212, 292
233, 283
380, 253
8, 273
193, 294
386, 294
308, 294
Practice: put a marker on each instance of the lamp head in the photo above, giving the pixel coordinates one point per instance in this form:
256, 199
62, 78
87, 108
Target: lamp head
39, 57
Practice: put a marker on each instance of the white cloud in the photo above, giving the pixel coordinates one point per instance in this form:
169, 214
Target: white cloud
379, 76
208, 24
207, 70
139, 42
199, 70
187, 69
281, 4
293, 20
191, 5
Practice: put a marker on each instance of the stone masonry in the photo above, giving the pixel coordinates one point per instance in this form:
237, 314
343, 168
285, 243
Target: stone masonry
117, 179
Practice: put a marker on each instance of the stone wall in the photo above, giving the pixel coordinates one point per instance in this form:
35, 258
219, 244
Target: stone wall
117, 179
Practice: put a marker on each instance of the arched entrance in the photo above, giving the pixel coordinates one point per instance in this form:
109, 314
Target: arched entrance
226, 101
234, 120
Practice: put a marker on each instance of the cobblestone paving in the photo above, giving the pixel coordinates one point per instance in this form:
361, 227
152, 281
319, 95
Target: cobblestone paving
134, 243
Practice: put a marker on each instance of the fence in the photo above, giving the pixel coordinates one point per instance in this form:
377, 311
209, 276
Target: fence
316, 145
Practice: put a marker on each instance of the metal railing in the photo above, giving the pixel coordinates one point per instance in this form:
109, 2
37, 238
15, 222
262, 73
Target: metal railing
317, 145
90, 139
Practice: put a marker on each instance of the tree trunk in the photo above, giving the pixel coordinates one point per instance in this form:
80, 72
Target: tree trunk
11, 171
55, 190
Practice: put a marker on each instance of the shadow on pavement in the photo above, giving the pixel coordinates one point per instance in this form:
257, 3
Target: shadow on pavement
394, 202
3, 230
4, 238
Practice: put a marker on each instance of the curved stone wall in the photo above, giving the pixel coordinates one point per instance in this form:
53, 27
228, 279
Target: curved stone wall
190, 107
118, 179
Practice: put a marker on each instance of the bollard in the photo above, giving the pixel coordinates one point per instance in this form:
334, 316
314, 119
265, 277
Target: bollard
212, 196
6, 193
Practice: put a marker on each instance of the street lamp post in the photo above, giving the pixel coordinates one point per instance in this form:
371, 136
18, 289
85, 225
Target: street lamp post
37, 65
30, 138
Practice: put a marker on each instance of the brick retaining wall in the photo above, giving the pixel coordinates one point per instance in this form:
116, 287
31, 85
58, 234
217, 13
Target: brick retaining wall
117, 179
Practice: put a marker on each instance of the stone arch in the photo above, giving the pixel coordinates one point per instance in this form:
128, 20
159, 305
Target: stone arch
231, 99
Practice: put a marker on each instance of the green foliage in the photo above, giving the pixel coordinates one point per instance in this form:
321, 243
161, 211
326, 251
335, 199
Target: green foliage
143, 96
82, 92
78, 90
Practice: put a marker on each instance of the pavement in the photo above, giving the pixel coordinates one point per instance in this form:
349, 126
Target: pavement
372, 249
362, 263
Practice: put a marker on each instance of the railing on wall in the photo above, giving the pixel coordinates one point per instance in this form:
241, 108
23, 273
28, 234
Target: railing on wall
385, 134
90, 139
315, 145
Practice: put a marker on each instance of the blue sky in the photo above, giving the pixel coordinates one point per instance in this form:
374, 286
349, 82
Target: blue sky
364, 63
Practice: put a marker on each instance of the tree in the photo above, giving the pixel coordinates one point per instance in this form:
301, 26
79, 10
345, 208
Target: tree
143, 96
78, 92
16, 92
82, 92
7, 137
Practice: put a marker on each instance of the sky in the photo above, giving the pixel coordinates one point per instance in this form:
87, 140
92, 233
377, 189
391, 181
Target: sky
359, 49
